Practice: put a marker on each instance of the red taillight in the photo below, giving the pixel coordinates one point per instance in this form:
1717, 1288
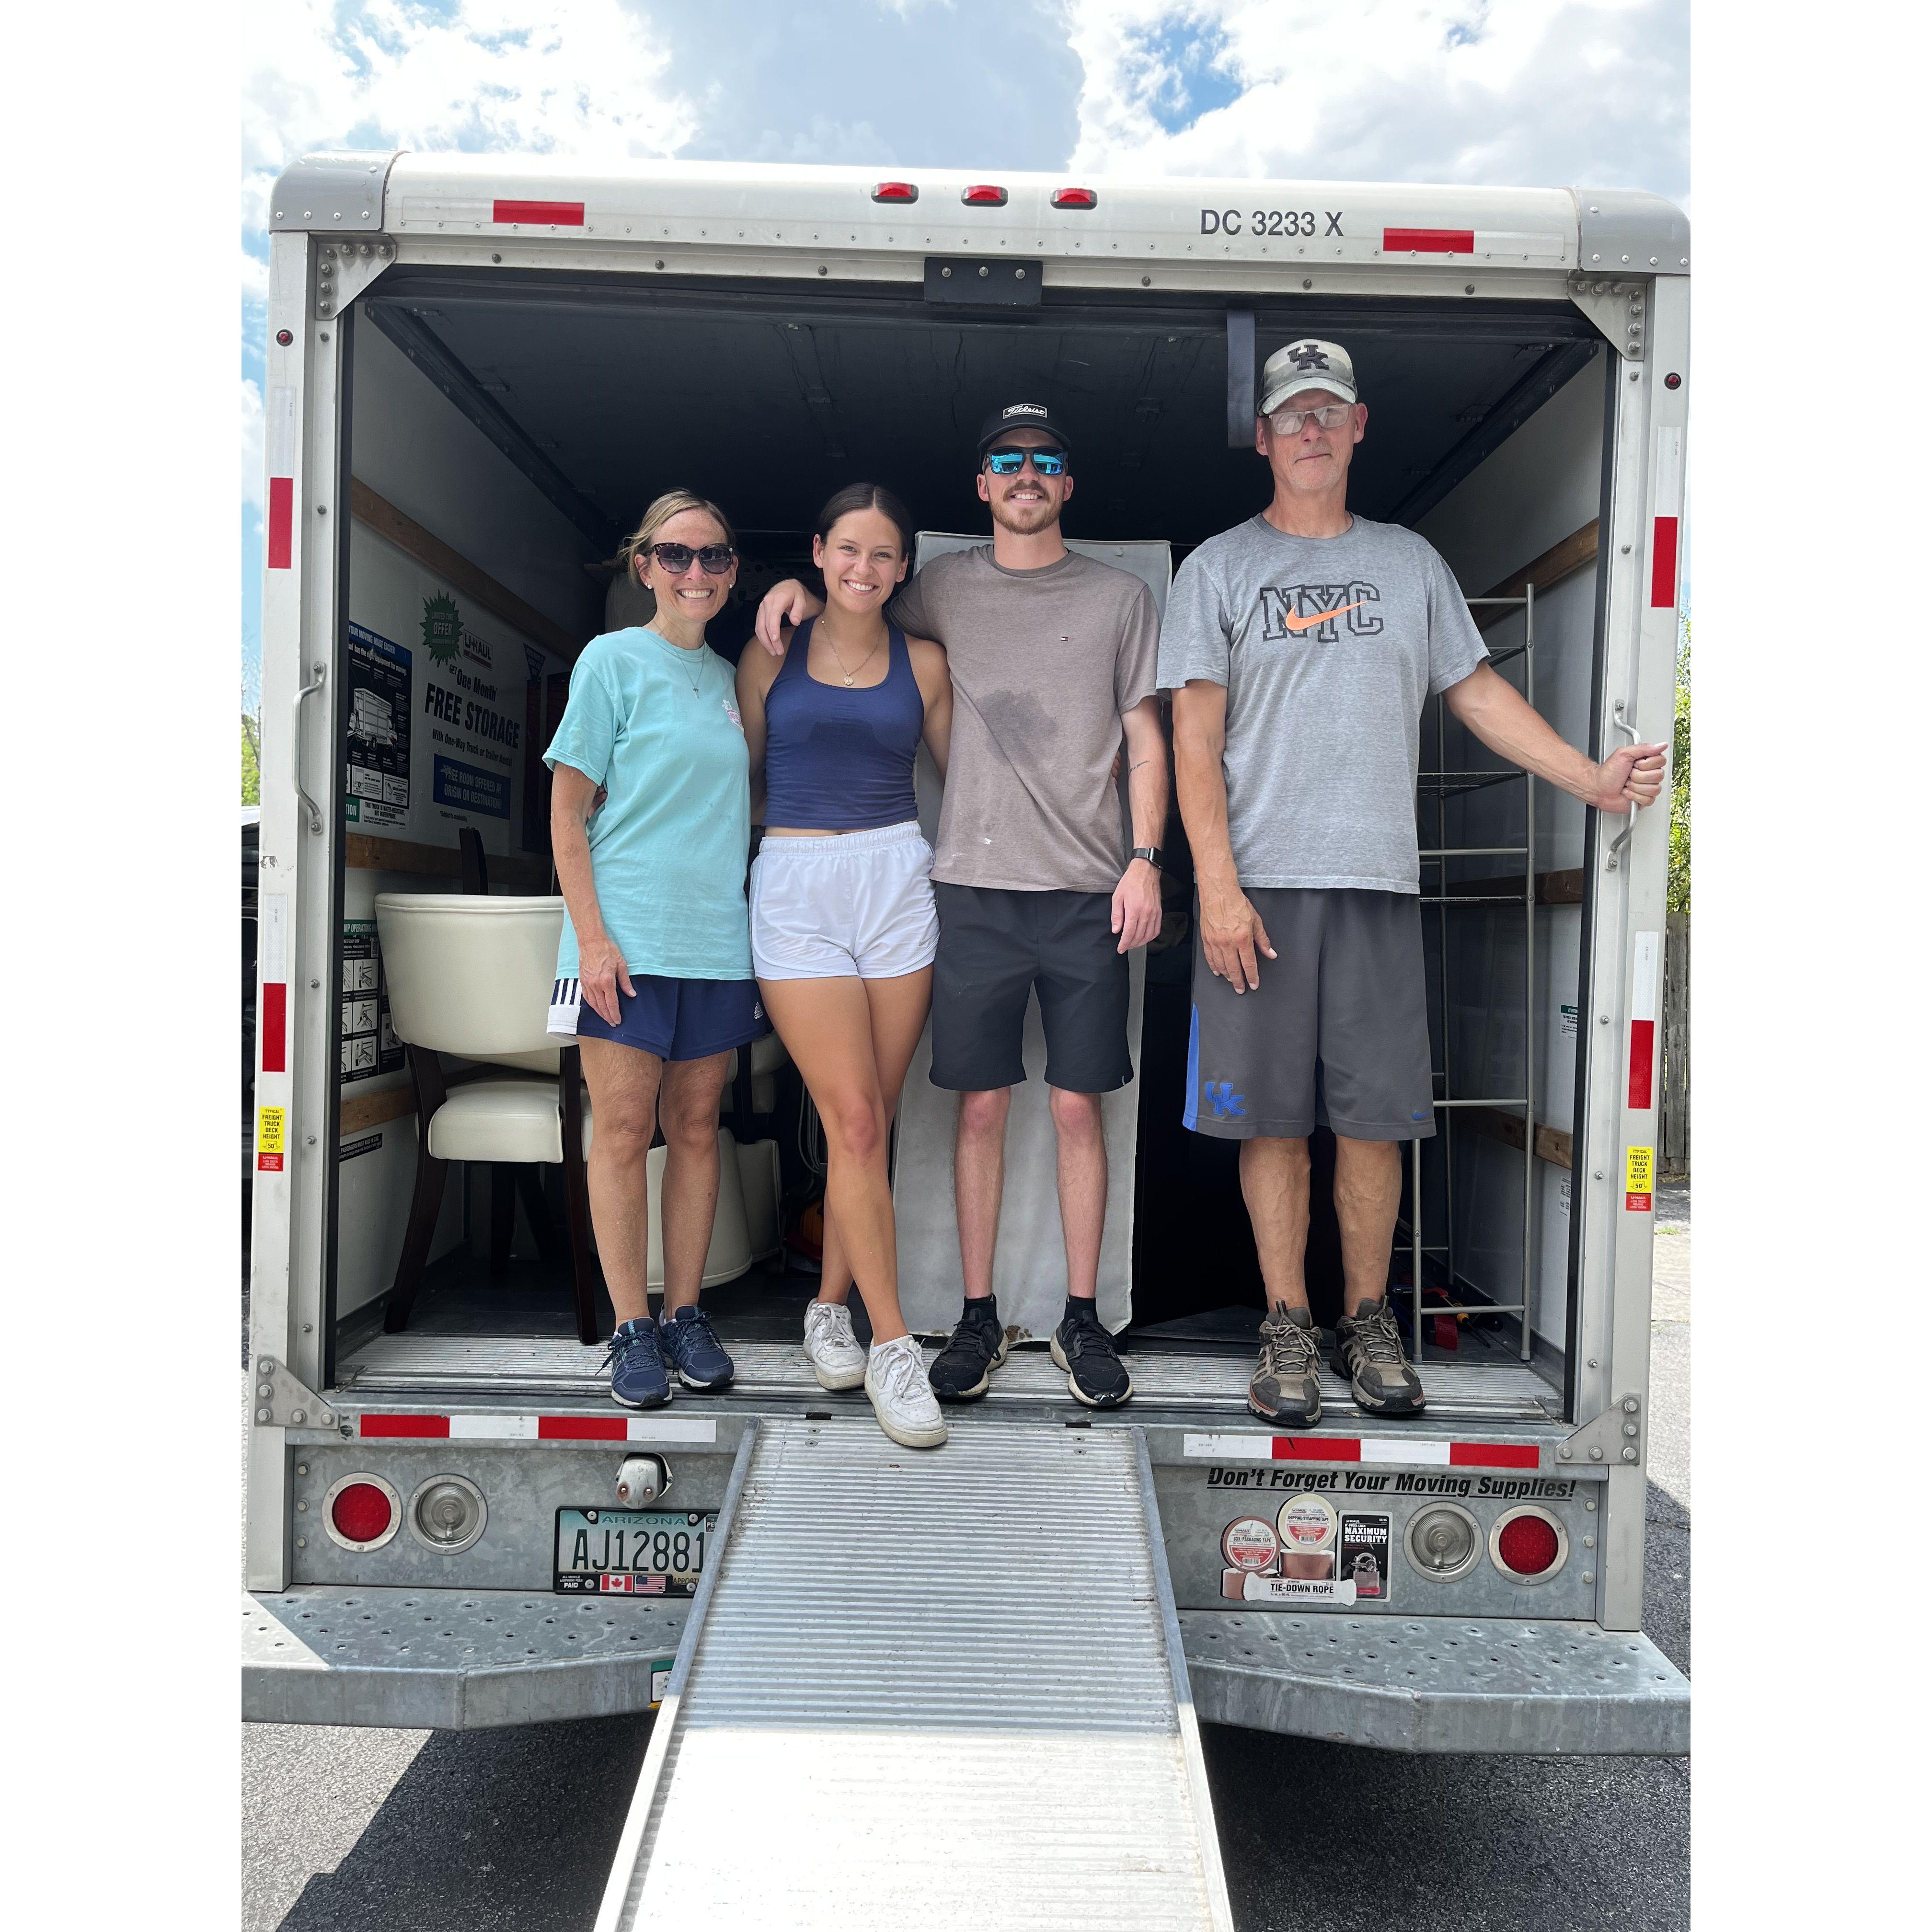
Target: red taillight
362, 1513
896, 191
984, 195
1075, 197
1527, 1545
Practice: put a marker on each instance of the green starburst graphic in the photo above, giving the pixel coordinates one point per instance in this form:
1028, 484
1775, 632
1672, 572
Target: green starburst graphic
442, 627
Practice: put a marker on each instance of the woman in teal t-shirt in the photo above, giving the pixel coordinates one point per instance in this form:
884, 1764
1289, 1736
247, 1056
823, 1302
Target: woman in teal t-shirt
650, 822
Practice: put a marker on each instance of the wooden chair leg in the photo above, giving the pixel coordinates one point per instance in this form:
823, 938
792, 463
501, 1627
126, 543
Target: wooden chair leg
530, 1188
503, 1215
587, 1278
426, 1204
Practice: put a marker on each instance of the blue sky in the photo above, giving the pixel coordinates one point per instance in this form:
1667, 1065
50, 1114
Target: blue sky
1521, 92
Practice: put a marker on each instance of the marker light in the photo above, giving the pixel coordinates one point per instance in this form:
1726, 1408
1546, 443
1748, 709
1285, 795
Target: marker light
896, 191
984, 195
1075, 197
361, 1512
1528, 1545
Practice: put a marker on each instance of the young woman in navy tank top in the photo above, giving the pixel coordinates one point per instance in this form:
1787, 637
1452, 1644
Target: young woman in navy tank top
844, 928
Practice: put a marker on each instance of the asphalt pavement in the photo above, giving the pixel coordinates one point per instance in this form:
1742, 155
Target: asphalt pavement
352, 1830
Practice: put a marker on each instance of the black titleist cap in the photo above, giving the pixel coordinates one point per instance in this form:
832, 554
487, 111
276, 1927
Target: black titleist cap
1020, 416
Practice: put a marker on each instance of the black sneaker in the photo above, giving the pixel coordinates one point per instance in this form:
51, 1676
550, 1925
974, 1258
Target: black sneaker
1369, 1356
963, 1369
1095, 1374
1286, 1386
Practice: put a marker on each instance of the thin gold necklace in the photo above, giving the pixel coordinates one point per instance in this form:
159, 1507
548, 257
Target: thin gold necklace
849, 675
697, 659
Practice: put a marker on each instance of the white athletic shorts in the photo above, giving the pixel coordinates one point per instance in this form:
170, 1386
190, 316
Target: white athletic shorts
858, 905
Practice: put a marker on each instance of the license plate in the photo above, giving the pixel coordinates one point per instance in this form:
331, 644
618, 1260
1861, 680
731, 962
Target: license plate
631, 1552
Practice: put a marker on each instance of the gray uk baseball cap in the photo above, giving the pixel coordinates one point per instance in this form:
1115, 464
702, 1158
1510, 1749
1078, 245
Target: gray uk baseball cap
1309, 364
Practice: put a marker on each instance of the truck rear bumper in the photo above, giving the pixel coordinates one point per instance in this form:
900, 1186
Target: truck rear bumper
450, 1660
1439, 1684
468, 1659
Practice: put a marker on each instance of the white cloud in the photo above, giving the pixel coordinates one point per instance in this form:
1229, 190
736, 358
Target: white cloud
583, 77
1517, 92
253, 467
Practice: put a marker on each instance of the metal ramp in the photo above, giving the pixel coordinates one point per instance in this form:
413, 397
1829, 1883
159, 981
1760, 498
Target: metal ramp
928, 1689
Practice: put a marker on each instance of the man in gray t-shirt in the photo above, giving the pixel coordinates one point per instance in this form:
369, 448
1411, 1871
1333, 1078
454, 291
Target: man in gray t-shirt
1300, 648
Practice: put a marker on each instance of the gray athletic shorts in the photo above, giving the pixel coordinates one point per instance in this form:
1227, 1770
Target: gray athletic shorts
1336, 1034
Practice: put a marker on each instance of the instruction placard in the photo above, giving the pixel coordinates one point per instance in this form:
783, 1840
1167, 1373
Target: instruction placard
271, 1125
369, 1042
1639, 1173
375, 783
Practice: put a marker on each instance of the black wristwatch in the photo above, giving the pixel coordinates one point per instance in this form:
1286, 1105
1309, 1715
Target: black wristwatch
1151, 854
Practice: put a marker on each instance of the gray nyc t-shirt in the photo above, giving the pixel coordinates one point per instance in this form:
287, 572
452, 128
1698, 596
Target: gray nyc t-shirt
1327, 647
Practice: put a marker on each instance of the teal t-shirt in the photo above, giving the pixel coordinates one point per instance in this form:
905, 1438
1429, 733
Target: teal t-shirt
658, 728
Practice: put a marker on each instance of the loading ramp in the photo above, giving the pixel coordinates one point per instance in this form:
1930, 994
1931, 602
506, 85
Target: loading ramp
941, 1690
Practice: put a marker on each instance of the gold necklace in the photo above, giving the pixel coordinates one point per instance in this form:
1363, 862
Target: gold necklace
697, 657
849, 675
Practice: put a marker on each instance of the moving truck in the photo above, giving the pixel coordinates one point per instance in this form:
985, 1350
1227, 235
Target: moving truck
480, 369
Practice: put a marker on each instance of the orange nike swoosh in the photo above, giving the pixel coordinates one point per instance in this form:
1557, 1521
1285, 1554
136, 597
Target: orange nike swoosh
1322, 616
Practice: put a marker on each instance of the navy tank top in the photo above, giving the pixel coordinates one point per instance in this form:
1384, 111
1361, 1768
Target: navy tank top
842, 758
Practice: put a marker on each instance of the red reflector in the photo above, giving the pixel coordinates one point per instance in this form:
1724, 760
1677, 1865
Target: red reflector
1075, 197
984, 196
281, 521
1663, 563
581, 1428
361, 1514
558, 213
1431, 241
274, 1026
1527, 1545
437, 1425
896, 191
1643, 1051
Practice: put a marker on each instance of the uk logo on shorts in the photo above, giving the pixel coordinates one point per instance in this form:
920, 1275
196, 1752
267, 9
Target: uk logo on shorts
1223, 1102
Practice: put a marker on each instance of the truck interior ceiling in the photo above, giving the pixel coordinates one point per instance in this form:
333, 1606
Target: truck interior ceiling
508, 429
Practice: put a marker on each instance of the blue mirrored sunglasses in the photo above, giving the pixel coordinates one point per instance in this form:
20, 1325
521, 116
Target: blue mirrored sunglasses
1010, 462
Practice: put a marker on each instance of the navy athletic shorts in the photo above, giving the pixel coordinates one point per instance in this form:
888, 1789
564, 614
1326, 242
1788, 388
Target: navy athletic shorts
676, 1019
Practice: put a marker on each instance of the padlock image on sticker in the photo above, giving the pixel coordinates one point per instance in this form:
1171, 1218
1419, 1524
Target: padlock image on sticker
1368, 1574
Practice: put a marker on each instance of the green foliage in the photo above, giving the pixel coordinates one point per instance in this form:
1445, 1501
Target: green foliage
1678, 894
251, 760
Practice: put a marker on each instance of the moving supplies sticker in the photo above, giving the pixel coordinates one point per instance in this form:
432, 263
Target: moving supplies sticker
269, 1138
1638, 1169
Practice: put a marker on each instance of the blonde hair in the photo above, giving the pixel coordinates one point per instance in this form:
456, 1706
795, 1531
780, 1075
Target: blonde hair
672, 503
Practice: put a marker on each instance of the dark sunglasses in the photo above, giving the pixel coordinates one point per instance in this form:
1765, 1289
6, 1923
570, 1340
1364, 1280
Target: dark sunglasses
717, 559
1010, 462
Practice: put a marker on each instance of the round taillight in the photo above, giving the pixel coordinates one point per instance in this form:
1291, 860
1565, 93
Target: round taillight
1443, 1541
448, 1513
362, 1512
1528, 1545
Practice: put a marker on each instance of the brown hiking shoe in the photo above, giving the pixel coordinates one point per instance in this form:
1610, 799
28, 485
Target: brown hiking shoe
1286, 1386
1368, 1353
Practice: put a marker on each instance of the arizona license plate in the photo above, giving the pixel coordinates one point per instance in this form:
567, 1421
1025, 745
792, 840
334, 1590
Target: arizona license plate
631, 1552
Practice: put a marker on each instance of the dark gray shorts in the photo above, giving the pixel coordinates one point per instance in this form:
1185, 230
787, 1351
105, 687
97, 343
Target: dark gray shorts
1336, 1034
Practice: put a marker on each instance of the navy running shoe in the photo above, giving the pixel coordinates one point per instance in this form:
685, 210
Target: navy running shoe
694, 1351
639, 1378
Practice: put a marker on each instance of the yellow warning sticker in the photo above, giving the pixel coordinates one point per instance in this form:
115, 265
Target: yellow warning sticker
1639, 1170
271, 1127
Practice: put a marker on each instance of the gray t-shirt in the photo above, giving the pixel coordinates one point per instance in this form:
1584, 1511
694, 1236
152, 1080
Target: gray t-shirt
1327, 647
1045, 665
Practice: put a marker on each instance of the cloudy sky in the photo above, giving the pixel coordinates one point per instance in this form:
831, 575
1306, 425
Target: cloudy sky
1515, 92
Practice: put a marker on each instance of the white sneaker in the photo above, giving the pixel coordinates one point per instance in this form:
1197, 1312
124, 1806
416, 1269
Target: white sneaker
830, 1347
901, 1397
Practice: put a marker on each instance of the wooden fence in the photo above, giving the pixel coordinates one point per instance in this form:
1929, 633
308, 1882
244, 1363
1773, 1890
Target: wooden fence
1674, 1156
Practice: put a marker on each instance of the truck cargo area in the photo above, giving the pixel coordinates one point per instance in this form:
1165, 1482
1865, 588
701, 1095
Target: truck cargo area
521, 419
